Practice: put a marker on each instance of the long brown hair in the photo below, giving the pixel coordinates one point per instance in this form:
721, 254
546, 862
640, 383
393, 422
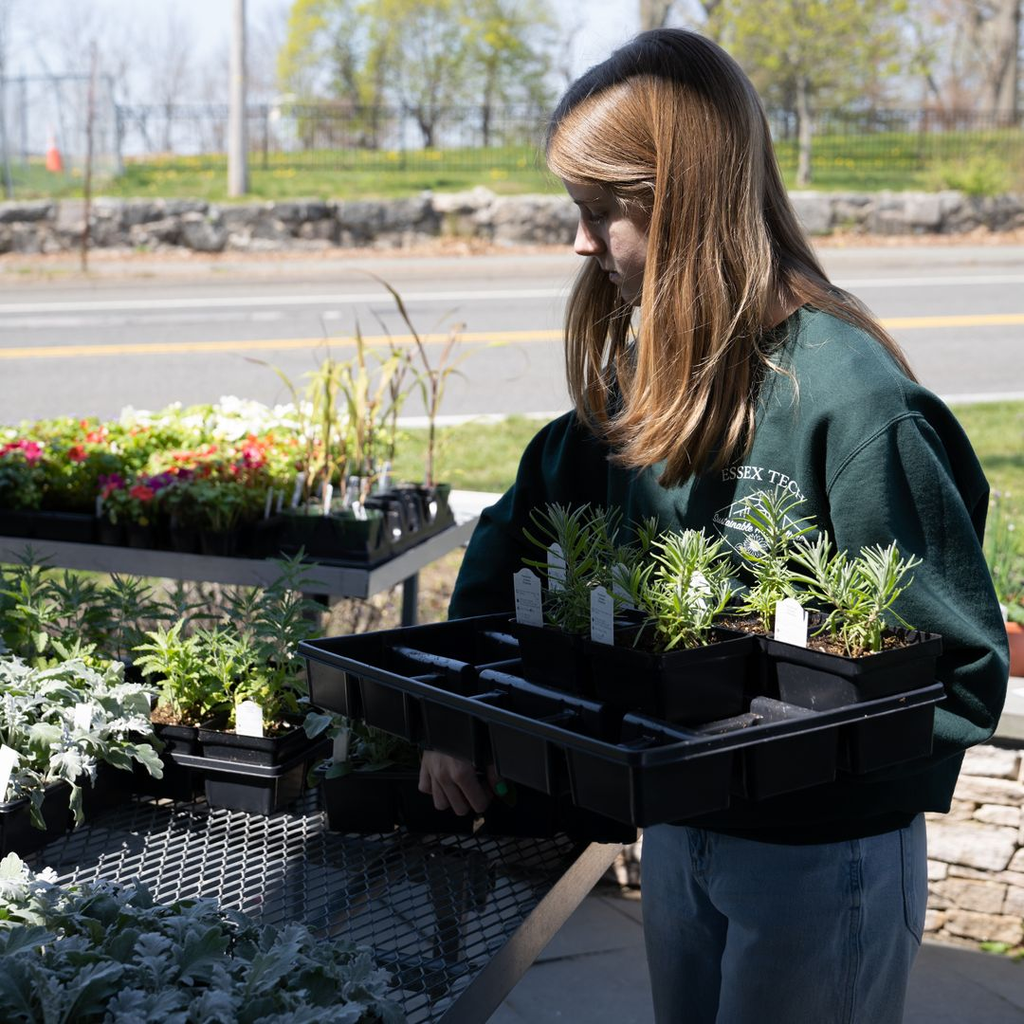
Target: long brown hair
674, 128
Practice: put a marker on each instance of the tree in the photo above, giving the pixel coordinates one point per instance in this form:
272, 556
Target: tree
510, 55
813, 51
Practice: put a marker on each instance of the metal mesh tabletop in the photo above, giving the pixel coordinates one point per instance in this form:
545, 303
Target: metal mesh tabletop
456, 919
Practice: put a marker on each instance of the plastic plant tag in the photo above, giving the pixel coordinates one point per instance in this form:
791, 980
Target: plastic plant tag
83, 717
248, 719
700, 587
384, 480
790, 622
8, 762
99, 506
339, 751
619, 573
280, 501
300, 482
556, 568
529, 610
269, 503
328, 495
602, 616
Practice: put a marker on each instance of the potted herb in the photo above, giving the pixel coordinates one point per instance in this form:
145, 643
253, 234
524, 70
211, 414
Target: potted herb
21, 487
862, 648
579, 546
67, 723
63, 952
679, 664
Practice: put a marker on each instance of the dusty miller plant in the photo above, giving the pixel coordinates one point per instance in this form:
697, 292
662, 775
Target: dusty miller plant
104, 952
859, 591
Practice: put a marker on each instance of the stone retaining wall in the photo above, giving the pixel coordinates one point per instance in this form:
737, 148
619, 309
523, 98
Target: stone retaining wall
159, 224
976, 852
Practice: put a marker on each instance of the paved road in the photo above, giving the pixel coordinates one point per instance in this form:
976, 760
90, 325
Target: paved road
148, 333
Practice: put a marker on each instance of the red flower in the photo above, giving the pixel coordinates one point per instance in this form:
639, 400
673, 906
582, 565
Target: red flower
77, 453
142, 492
33, 450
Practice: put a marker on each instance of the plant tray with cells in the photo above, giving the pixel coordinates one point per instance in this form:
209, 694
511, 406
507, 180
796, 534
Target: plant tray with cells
459, 687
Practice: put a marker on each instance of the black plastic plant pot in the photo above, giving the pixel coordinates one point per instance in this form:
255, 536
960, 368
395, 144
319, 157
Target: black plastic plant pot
337, 537
687, 687
19, 835
264, 540
219, 543
524, 756
109, 532
184, 539
260, 750
111, 788
553, 658
140, 536
333, 689
360, 802
890, 730
417, 813
253, 788
621, 784
815, 679
74, 527
16, 523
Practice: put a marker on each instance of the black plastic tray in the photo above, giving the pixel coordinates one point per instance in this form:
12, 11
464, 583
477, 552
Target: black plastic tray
632, 768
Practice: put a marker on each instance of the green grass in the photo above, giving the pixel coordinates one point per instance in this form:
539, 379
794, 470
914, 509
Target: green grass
890, 160
484, 456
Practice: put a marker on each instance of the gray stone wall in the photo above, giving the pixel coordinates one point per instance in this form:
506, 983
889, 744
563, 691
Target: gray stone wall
976, 852
44, 226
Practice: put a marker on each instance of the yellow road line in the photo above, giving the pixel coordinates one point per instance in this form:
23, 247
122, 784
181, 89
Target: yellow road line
899, 323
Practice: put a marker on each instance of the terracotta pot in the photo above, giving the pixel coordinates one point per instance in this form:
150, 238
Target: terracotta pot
1015, 636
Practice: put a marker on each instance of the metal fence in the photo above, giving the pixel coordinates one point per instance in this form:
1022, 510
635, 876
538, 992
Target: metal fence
852, 146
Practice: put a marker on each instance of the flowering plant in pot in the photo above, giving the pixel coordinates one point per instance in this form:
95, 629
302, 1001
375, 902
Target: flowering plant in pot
21, 485
678, 664
862, 647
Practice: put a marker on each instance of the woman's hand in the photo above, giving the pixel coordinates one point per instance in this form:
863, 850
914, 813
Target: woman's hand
454, 783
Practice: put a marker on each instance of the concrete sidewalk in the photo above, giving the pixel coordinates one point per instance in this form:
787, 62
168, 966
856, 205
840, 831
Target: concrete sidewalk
594, 971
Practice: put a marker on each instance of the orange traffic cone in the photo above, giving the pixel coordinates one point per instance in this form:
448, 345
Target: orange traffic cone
54, 162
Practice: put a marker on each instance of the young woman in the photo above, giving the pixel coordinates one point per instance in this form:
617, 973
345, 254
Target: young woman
709, 357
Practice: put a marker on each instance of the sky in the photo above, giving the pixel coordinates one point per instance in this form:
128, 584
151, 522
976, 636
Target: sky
603, 24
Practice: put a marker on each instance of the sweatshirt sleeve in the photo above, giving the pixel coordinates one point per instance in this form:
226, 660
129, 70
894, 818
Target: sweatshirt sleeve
917, 481
563, 463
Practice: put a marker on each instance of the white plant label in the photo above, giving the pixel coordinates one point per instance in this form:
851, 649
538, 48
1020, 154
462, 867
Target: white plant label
99, 506
339, 751
8, 762
269, 503
83, 717
328, 495
300, 482
248, 719
790, 622
556, 568
602, 616
529, 610
280, 500
699, 585
384, 483
619, 573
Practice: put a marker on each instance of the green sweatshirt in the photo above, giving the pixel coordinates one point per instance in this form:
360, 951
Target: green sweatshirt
878, 458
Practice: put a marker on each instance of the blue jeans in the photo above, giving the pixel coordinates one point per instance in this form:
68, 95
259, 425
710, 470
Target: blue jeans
742, 932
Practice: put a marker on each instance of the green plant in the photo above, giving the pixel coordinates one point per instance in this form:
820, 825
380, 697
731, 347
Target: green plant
859, 591
38, 721
980, 174
683, 590
767, 551
367, 749
587, 538
100, 951
1005, 555
190, 693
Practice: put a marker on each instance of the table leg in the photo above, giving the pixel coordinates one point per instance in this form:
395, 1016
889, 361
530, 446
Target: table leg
410, 599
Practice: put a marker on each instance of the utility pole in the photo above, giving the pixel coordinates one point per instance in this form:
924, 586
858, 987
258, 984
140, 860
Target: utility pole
238, 167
